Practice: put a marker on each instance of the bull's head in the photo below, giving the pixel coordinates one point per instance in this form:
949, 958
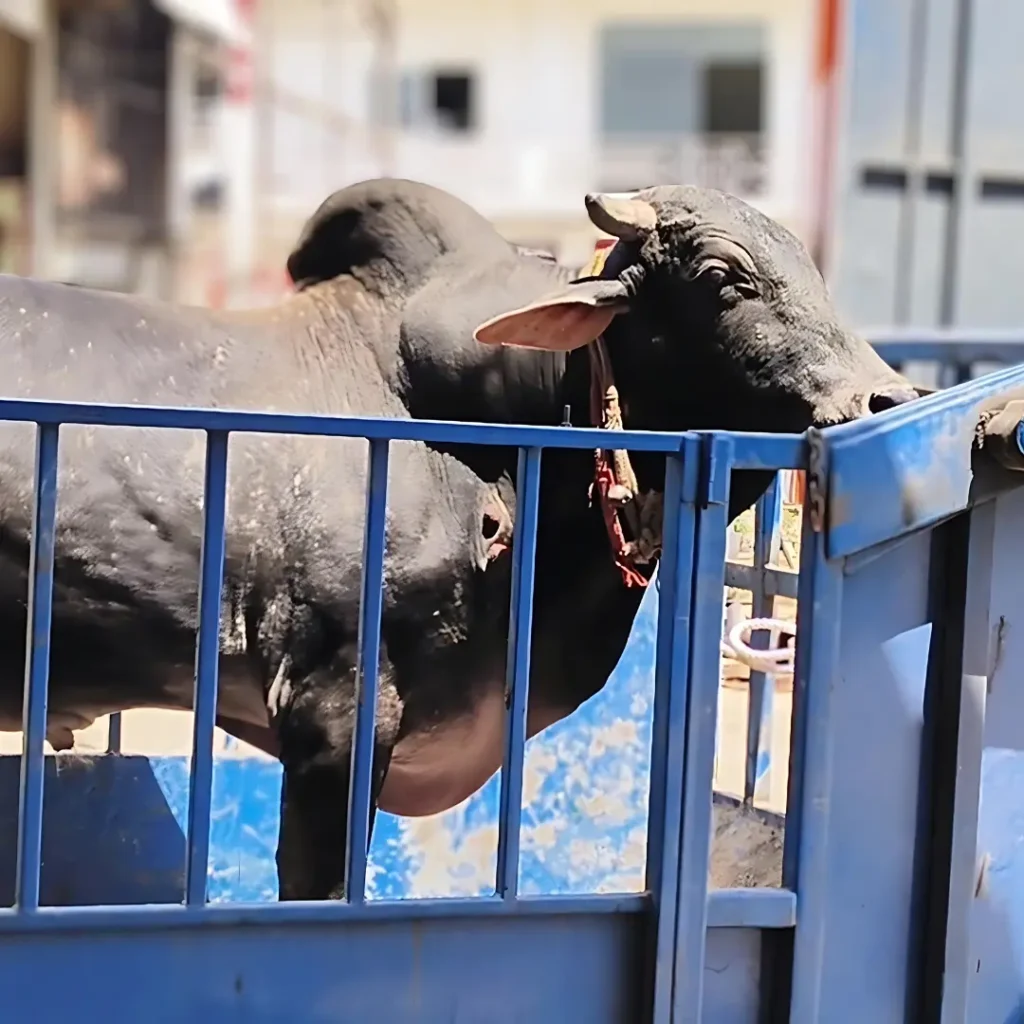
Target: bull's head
715, 317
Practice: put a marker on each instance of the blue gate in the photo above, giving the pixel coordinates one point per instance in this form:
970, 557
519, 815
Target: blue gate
878, 874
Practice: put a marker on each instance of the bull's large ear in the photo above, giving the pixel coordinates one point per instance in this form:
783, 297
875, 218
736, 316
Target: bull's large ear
560, 323
625, 217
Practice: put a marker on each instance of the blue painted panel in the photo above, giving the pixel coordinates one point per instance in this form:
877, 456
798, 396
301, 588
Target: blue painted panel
862, 891
114, 830
732, 976
537, 968
995, 960
108, 835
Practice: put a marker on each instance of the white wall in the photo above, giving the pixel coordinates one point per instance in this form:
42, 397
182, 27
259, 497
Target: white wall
24, 17
533, 156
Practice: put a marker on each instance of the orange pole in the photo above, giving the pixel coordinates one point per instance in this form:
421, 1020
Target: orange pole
826, 67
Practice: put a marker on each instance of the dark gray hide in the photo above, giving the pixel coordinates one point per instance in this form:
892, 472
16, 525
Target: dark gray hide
395, 277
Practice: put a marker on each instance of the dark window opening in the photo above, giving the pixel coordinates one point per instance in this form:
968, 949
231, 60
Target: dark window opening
454, 102
733, 97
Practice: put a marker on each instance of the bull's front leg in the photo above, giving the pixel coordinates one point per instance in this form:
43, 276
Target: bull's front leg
315, 726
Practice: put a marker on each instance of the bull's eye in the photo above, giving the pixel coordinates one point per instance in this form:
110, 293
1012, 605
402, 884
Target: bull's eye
714, 272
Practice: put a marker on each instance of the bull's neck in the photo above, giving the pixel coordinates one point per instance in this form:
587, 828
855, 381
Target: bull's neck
329, 336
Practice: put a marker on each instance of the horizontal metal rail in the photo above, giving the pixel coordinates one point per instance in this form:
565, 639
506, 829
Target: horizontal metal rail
753, 450
727, 908
956, 350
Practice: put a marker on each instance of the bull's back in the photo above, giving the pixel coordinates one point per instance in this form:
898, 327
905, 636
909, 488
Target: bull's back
74, 344
129, 510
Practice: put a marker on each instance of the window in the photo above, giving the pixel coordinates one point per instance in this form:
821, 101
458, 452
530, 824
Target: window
732, 97
453, 101
683, 101
677, 79
440, 100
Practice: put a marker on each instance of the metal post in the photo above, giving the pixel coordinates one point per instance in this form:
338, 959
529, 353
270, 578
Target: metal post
761, 689
371, 603
211, 583
37, 669
955, 223
701, 731
668, 746
520, 631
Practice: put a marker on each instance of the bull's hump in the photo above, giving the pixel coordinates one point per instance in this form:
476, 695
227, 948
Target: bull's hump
394, 228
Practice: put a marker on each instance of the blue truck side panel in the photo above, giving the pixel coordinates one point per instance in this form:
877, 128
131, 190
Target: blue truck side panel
864, 865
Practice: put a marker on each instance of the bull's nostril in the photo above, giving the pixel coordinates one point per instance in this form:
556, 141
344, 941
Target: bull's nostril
880, 401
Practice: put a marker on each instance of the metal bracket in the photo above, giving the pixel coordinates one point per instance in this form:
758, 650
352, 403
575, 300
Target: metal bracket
817, 479
716, 469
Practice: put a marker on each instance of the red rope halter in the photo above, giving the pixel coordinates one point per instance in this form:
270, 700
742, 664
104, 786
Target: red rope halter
614, 479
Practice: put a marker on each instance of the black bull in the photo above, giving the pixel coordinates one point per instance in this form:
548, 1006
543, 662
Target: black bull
409, 304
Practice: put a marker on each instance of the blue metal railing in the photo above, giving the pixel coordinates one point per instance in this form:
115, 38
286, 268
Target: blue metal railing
686, 679
955, 350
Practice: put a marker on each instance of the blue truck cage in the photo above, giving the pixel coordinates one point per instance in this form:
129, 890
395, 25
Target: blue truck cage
901, 894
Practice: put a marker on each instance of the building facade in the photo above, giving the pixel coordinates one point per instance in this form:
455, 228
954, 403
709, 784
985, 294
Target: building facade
184, 161
521, 108
112, 172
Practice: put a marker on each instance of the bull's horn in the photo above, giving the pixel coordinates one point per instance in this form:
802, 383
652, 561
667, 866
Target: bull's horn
623, 216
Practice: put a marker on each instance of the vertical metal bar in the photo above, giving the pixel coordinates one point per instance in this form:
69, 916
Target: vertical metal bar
520, 630
761, 690
211, 583
668, 740
907, 218
947, 710
114, 733
43, 159
805, 855
37, 668
963, 164
701, 731
949, 972
949, 375
360, 792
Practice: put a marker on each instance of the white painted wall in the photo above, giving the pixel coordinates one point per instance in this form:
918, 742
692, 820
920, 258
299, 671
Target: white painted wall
24, 17
533, 157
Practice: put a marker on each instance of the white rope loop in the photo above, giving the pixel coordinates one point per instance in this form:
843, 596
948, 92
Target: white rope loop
771, 660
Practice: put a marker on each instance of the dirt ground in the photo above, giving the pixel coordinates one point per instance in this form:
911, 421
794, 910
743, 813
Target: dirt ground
746, 852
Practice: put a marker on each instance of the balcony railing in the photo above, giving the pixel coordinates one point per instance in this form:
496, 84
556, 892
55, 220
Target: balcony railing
503, 176
728, 161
